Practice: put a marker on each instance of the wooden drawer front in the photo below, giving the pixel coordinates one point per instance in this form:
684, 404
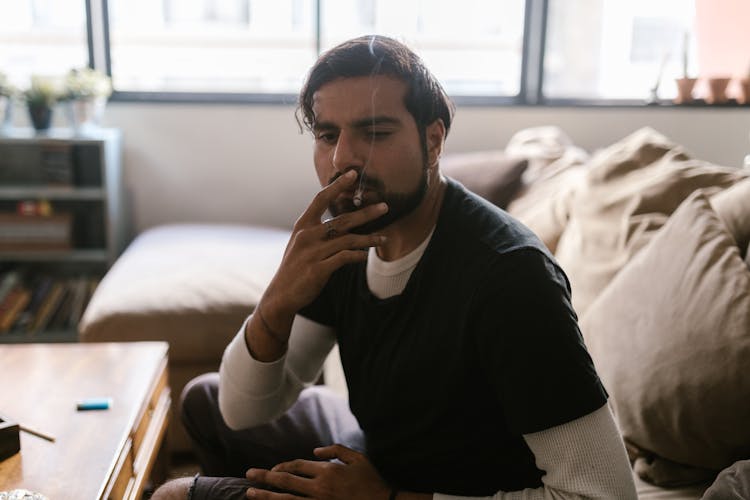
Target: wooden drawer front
152, 440
144, 420
122, 477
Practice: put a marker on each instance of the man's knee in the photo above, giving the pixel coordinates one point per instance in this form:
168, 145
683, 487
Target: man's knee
199, 397
173, 490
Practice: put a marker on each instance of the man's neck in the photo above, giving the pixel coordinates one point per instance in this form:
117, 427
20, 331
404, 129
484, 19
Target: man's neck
407, 233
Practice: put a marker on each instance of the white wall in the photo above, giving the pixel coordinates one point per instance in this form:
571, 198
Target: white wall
250, 164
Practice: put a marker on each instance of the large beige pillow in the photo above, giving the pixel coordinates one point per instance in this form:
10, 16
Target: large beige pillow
733, 207
631, 189
493, 175
670, 338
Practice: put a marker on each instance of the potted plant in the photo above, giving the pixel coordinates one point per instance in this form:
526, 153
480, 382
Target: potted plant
8, 92
40, 97
685, 84
85, 93
743, 82
717, 89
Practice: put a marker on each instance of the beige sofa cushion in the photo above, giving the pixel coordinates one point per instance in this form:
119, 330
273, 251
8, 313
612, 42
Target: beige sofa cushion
548, 150
733, 483
670, 338
191, 285
556, 169
493, 175
631, 189
733, 207
648, 491
545, 205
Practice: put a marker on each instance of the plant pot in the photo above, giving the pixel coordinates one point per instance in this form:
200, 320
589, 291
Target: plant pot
684, 90
85, 113
717, 90
41, 116
6, 112
743, 95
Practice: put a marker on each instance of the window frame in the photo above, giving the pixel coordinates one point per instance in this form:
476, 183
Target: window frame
530, 86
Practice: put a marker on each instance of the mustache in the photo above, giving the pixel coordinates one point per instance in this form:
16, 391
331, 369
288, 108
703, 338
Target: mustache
367, 182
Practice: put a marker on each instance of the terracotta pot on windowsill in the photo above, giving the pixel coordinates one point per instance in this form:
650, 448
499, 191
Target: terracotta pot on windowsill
717, 90
743, 84
684, 90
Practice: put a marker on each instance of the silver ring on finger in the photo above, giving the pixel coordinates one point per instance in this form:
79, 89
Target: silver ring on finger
331, 232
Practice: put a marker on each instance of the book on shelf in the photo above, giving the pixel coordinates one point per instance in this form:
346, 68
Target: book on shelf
49, 163
31, 303
13, 304
35, 232
7, 282
59, 318
56, 163
48, 307
39, 290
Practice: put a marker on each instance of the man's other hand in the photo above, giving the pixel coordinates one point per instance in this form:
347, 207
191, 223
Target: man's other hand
352, 477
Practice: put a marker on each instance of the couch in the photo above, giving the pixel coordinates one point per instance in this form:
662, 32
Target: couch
654, 242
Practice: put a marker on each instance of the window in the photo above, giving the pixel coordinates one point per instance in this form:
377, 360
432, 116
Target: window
617, 50
474, 47
267, 46
520, 51
42, 37
240, 46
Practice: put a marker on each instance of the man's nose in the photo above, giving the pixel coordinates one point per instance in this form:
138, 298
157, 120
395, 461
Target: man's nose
346, 154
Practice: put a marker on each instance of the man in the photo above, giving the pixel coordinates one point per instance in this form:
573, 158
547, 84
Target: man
466, 370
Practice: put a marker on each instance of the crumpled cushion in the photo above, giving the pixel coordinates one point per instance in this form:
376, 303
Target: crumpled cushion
733, 207
670, 339
493, 175
191, 285
548, 149
556, 169
629, 192
733, 483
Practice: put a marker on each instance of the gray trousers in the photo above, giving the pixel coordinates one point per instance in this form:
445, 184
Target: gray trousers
320, 417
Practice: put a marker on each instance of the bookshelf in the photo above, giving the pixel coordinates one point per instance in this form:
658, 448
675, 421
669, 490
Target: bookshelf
62, 225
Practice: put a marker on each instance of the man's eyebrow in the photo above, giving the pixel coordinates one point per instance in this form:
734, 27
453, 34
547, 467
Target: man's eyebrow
376, 120
360, 123
320, 125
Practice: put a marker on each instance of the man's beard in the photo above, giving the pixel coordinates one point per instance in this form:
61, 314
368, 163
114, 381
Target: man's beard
373, 189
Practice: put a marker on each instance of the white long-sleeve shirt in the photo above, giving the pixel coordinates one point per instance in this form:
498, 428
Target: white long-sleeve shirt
584, 458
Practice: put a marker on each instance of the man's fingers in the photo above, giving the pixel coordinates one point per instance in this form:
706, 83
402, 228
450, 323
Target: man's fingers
345, 222
350, 242
325, 196
346, 455
342, 259
304, 468
279, 480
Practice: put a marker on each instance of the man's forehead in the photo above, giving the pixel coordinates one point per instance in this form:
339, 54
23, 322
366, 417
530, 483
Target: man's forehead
359, 96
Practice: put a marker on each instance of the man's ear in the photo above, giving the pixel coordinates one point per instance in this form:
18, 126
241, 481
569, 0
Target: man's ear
435, 134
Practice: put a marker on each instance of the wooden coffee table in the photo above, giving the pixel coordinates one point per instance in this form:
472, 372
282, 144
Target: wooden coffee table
96, 454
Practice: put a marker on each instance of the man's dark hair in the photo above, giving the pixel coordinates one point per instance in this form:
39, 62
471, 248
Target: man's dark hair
374, 55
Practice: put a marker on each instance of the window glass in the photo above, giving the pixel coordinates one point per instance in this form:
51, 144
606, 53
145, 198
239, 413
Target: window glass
42, 37
247, 46
474, 47
617, 50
